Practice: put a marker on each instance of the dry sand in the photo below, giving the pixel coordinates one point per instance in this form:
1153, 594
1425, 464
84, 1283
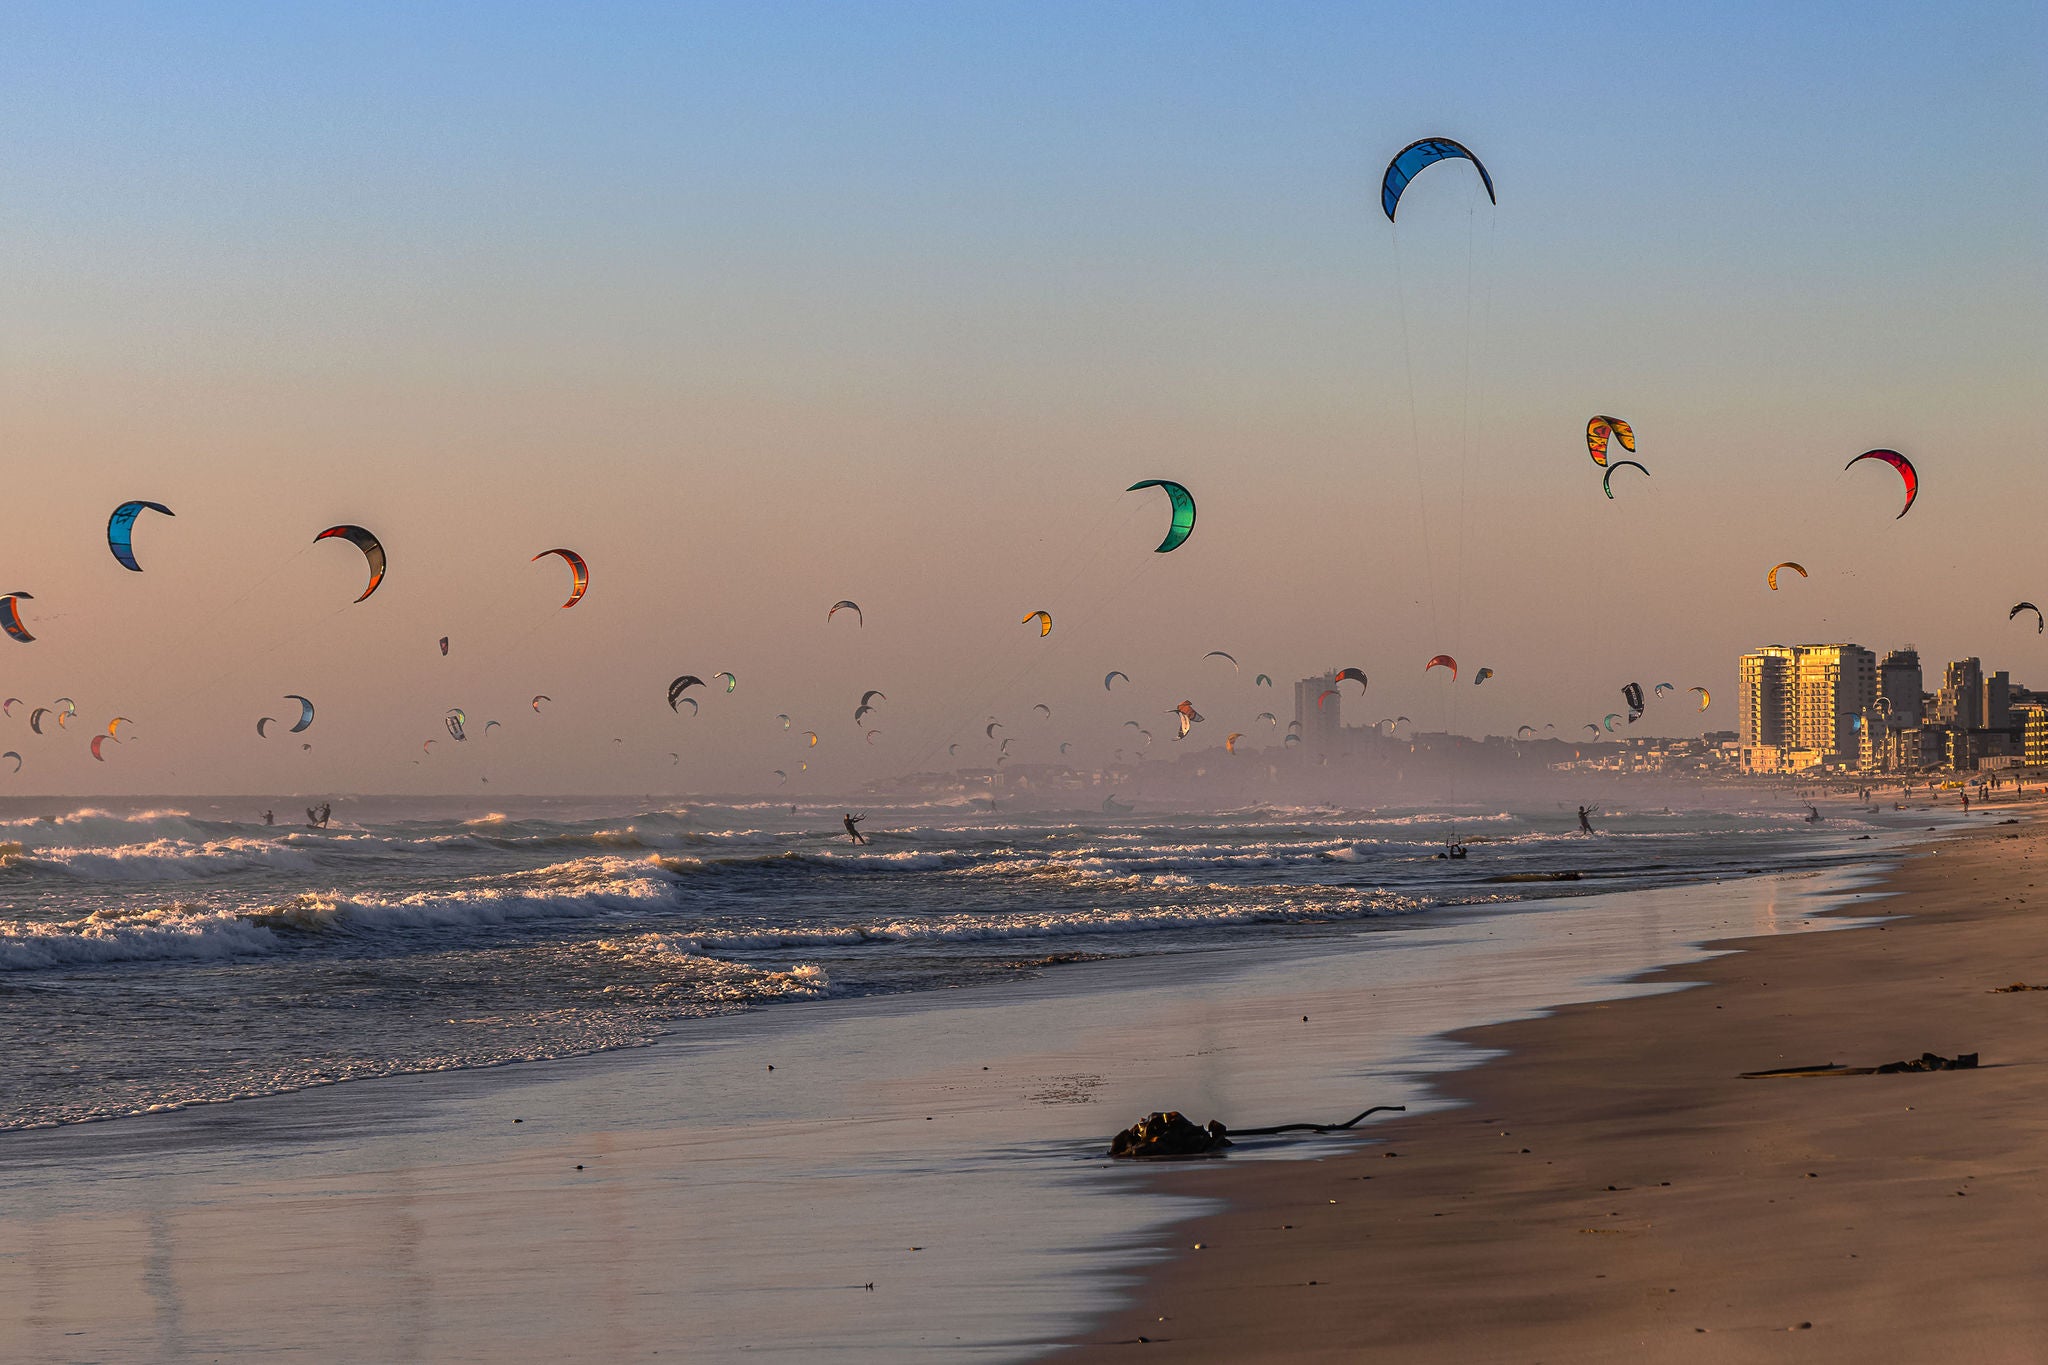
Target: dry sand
1611, 1190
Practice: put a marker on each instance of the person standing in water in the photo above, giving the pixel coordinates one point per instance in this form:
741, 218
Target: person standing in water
270, 817
853, 828
1585, 820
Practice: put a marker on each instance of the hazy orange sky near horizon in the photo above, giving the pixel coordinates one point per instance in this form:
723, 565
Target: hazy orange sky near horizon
763, 310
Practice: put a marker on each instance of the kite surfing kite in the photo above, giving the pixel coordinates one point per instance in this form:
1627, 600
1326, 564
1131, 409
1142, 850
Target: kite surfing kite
15, 756
1044, 619
538, 700
1230, 741
1443, 661
1268, 717
1325, 697
1183, 503
1662, 688
732, 682
680, 686
453, 720
690, 702
372, 548
2018, 607
10, 615
1414, 158
1609, 719
1900, 463
261, 733
871, 696
35, 718
1219, 654
1598, 429
7, 707
305, 711
1632, 693
1526, 732
98, 740
860, 711
1111, 676
489, 723
1481, 676
1356, 675
114, 726
1041, 706
121, 530
811, 737
1596, 729
996, 725
1706, 697
1188, 716
1799, 569
853, 607
444, 646
579, 574
1607, 479
1262, 681
784, 718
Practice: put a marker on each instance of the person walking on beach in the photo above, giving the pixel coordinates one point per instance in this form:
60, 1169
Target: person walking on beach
853, 828
1966, 800
1585, 820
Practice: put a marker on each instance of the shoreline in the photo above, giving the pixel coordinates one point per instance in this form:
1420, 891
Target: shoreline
1605, 1186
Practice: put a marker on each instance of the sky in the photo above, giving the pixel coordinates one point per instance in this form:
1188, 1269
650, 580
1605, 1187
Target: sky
760, 307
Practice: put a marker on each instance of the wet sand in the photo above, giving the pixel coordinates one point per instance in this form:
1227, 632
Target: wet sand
1610, 1189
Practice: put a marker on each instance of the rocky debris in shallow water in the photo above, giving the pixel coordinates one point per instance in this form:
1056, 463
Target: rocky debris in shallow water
1168, 1134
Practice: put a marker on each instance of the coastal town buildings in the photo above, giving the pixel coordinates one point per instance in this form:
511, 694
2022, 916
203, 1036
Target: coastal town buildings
1834, 708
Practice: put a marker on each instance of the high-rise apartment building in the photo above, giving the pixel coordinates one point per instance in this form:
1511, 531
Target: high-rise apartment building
1997, 712
1899, 689
1320, 723
1764, 707
1959, 704
1802, 706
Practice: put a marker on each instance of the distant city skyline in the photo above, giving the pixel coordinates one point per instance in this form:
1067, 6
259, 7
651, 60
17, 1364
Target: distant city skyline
1835, 707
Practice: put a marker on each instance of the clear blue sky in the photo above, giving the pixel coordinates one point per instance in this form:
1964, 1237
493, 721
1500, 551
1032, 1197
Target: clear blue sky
762, 306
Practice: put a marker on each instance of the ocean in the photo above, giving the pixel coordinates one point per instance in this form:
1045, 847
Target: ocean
159, 955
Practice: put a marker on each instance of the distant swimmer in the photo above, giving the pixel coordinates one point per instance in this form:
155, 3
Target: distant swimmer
853, 828
1586, 820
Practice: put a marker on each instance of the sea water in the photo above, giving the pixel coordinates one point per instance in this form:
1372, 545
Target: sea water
154, 956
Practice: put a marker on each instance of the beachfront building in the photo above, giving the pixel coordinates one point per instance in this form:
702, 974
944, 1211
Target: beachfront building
1959, 705
1899, 688
1997, 709
1321, 725
1803, 706
1764, 707
2031, 724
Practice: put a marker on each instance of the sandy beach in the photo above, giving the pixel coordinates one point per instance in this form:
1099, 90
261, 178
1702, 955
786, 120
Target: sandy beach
1611, 1189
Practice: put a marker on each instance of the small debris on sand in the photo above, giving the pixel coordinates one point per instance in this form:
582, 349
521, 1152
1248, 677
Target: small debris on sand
1166, 1135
